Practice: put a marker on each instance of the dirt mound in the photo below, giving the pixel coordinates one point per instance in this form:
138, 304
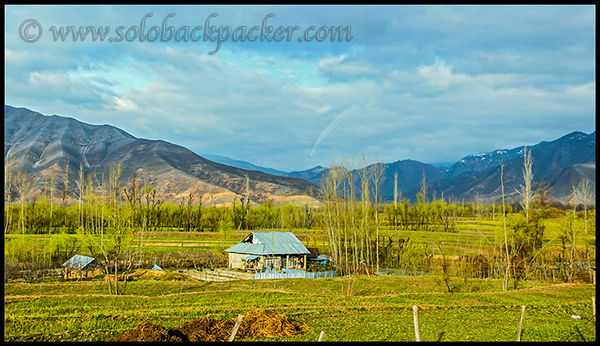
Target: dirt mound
256, 324
267, 324
147, 331
207, 329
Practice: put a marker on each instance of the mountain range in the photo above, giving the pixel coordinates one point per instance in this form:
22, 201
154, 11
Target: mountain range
38, 142
560, 164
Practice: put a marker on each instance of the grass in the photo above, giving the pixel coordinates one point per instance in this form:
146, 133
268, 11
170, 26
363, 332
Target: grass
379, 308
346, 309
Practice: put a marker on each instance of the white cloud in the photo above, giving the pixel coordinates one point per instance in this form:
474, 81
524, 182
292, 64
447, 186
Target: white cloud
125, 105
427, 83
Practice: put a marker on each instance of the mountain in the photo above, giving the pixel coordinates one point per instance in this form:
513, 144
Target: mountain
410, 174
560, 164
242, 164
313, 175
480, 162
37, 142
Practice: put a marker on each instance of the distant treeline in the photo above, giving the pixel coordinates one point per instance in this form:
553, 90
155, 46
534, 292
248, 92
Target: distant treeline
40, 216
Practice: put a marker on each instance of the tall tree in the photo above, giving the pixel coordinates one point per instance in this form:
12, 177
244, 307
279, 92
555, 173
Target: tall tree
584, 194
81, 188
9, 184
378, 176
505, 282
526, 191
24, 187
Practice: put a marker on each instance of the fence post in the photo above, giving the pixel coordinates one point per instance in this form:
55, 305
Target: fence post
416, 321
521, 322
594, 307
236, 326
321, 336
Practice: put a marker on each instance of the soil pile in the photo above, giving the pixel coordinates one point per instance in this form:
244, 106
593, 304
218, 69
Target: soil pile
207, 329
256, 324
147, 331
267, 324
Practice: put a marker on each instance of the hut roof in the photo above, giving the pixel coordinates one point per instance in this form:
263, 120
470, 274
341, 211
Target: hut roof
79, 262
270, 243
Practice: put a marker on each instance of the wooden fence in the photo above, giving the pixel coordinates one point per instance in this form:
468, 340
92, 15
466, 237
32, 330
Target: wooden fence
293, 274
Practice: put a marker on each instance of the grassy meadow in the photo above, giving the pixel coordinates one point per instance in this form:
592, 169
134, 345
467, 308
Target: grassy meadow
346, 308
358, 308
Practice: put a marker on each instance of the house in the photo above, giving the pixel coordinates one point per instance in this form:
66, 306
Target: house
261, 250
79, 266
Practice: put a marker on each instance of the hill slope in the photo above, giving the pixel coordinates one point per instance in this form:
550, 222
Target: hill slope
37, 142
561, 164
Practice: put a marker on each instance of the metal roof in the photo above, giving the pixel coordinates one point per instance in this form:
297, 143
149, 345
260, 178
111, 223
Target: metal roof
79, 262
270, 243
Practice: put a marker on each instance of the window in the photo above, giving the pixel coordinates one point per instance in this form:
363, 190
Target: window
274, 261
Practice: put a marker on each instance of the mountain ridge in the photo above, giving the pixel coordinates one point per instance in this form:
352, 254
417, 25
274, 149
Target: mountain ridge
43, 141
40, 142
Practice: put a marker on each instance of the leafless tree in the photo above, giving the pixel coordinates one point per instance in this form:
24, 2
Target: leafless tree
52, 181
396, 198
526, 191
24, 187
378, 176
584, 194
81, 188
505, 283
245, 204
9, 184
424, 187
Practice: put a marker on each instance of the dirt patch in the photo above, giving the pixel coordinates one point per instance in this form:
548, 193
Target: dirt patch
268, 324
256, 324
147, 331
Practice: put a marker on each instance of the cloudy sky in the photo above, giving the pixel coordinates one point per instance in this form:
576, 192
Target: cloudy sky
428, 83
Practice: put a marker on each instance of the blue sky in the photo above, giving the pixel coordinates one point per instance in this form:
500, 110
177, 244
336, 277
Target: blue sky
427, 83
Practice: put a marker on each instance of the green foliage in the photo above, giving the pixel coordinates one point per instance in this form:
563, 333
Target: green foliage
414, 259
528, 235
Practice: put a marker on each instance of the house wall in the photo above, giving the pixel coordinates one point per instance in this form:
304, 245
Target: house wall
286, 261
235, 260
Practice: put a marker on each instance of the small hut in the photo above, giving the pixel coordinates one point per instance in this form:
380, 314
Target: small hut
79, 267
260, 250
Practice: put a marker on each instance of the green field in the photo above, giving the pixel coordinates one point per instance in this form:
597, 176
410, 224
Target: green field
346, 309
360, 308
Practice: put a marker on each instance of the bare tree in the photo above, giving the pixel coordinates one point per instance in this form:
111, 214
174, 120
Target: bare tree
424, 187
133, 195
526, 191
378, 176
329, 191
64, 194
505, 283
24, 187
584, 194
188, 225
52, 181
81, 187
245, 204
9, 184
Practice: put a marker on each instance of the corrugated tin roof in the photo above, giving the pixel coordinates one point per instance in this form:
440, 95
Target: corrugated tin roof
79, 262
270, 243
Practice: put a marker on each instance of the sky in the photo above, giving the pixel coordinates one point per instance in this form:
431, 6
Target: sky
426, 83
